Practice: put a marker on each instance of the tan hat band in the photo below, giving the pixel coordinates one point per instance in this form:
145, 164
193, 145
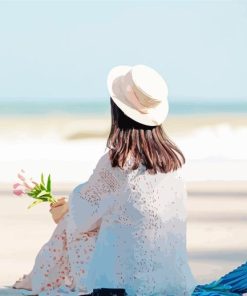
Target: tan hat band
135, 97
143, 99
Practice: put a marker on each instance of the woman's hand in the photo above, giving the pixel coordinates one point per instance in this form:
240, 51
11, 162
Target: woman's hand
59, 209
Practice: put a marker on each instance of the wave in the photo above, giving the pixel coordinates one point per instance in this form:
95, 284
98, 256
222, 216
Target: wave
212, 153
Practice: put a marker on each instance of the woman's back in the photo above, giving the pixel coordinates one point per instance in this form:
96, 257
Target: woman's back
141, 245
138, 201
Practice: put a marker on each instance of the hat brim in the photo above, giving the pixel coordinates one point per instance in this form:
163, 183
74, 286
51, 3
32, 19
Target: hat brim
156, 114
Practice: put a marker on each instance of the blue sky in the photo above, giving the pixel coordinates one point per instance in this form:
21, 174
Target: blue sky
66, 48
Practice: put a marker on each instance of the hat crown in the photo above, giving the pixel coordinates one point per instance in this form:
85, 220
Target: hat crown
149, 85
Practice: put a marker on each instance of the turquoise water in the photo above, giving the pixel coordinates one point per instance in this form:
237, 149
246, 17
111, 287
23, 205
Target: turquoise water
101, 107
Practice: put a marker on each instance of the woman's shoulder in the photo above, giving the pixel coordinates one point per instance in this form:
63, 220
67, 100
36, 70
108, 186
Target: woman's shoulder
103, 160
171, 179
179, 173
106, 163
114, 176
102, 164
177, 180
101, 177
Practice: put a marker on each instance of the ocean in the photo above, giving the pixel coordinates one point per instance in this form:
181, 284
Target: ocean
102, 106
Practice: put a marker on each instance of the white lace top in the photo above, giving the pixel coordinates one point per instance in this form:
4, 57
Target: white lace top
138, 222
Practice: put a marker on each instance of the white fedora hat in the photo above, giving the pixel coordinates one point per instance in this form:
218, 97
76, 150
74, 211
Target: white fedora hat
140, 92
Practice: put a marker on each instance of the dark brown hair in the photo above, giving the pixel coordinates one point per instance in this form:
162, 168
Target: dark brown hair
148, 144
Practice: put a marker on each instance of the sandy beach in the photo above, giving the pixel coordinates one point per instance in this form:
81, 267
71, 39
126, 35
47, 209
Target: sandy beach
68, 147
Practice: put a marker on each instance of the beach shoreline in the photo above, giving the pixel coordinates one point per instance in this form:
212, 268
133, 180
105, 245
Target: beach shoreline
73, 127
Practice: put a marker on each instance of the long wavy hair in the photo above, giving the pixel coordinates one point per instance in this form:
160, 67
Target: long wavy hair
149, 145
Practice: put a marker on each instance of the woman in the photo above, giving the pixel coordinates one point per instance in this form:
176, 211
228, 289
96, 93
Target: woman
126, 226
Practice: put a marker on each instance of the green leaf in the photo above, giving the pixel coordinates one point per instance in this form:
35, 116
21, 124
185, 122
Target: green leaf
35, 203
31, 194
35, 190
42, 187
43, 192
42, 179
48, 187
46, 197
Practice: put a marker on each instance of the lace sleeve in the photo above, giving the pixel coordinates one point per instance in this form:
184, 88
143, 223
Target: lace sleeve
90, 201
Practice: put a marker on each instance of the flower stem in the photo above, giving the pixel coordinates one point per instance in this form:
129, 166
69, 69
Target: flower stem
52, 199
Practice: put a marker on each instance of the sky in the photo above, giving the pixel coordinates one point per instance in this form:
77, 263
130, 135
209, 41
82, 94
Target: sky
65, 49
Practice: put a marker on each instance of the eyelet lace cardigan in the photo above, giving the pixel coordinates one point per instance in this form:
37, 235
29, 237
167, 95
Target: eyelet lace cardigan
124, 229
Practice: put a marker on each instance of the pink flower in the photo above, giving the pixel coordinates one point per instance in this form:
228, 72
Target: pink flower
21, 175
18, 189
16, 185
18, 192
29, 184
26, 184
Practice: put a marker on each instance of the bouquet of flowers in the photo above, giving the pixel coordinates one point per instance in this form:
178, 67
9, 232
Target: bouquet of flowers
41, 192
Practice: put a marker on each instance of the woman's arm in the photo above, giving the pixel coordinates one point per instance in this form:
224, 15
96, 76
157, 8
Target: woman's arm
90, 201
